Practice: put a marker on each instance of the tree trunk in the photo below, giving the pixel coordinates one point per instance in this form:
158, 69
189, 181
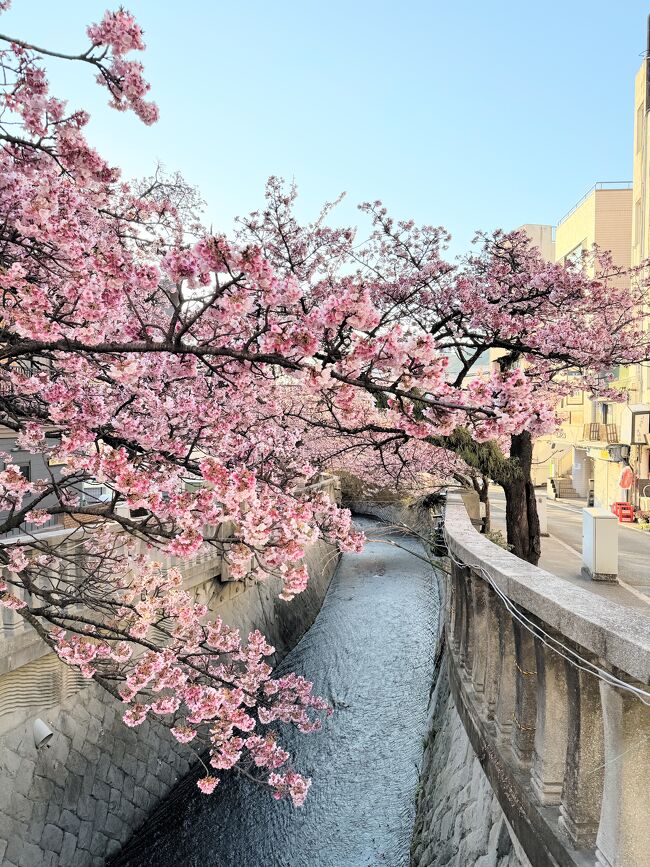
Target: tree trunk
513, 474
522, 521
482, 488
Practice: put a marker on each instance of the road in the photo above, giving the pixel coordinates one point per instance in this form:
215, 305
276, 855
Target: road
562, 549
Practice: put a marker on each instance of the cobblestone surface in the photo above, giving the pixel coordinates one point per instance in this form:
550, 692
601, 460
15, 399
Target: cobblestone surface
76, 802
459, 820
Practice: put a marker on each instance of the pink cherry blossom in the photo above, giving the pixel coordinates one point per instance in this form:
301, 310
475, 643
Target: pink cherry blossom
136, 715
183, 734
207, 784
118, 29
291, 784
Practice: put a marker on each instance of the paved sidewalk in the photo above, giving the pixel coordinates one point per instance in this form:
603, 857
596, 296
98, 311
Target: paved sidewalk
562, 551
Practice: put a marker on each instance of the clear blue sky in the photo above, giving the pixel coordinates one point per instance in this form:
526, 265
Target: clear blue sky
463, 113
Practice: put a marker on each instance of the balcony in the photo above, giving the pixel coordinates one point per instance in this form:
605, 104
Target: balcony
597, 432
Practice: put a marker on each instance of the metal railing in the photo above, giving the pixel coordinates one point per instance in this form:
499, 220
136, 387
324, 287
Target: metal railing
601, 185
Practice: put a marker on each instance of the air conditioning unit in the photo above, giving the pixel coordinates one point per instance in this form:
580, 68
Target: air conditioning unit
618, 452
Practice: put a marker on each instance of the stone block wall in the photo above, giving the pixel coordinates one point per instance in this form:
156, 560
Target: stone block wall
459, 821
77, 801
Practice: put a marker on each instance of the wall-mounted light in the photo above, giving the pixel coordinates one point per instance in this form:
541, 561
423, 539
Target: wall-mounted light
43, 734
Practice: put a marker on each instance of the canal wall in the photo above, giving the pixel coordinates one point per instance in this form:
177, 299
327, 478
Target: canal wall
459, 819
76, 802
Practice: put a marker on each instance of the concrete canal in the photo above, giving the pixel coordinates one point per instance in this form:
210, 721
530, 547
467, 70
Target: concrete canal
370, 652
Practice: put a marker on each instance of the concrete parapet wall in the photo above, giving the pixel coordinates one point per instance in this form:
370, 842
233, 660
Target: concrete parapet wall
75, 803
548, 679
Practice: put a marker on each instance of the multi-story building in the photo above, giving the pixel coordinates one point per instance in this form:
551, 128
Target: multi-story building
543, 237
577, 456
636, 421
640, 250
585, 446
617, 218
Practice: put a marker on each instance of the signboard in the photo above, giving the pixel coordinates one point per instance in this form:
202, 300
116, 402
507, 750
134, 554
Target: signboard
598, 454
640, 427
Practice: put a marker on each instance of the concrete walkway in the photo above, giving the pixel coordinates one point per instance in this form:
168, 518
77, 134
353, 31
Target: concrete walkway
370, 652
562, 551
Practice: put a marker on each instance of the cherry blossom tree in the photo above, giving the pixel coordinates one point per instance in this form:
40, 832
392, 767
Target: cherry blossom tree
142, 354
203, 381
554, 330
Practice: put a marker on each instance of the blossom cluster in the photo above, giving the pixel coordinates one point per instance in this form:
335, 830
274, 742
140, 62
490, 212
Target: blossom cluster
120, 32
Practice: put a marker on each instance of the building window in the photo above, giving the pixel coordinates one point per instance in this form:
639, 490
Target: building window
604, 413
93, 494
637, 222
574, 399
25, 470
639, 128
574, 257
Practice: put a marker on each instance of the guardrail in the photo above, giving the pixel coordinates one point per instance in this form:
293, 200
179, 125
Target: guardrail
551, 681
601, 185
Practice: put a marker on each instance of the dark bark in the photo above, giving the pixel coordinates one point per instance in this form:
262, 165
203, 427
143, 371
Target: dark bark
482, 488
522, 521
513, 473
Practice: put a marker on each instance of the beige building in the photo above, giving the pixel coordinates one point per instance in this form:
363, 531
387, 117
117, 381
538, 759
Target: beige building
582, 456
591, 430
585, 455
543, 237
577, 457
603, 216
641, 210
635, 429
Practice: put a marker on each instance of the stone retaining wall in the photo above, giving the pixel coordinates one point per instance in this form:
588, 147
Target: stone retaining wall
459, 820
75, 803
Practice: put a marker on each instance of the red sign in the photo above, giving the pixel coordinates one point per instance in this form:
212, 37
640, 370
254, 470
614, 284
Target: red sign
626, 479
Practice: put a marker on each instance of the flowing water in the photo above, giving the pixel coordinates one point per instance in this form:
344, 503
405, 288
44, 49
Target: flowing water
370, 652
